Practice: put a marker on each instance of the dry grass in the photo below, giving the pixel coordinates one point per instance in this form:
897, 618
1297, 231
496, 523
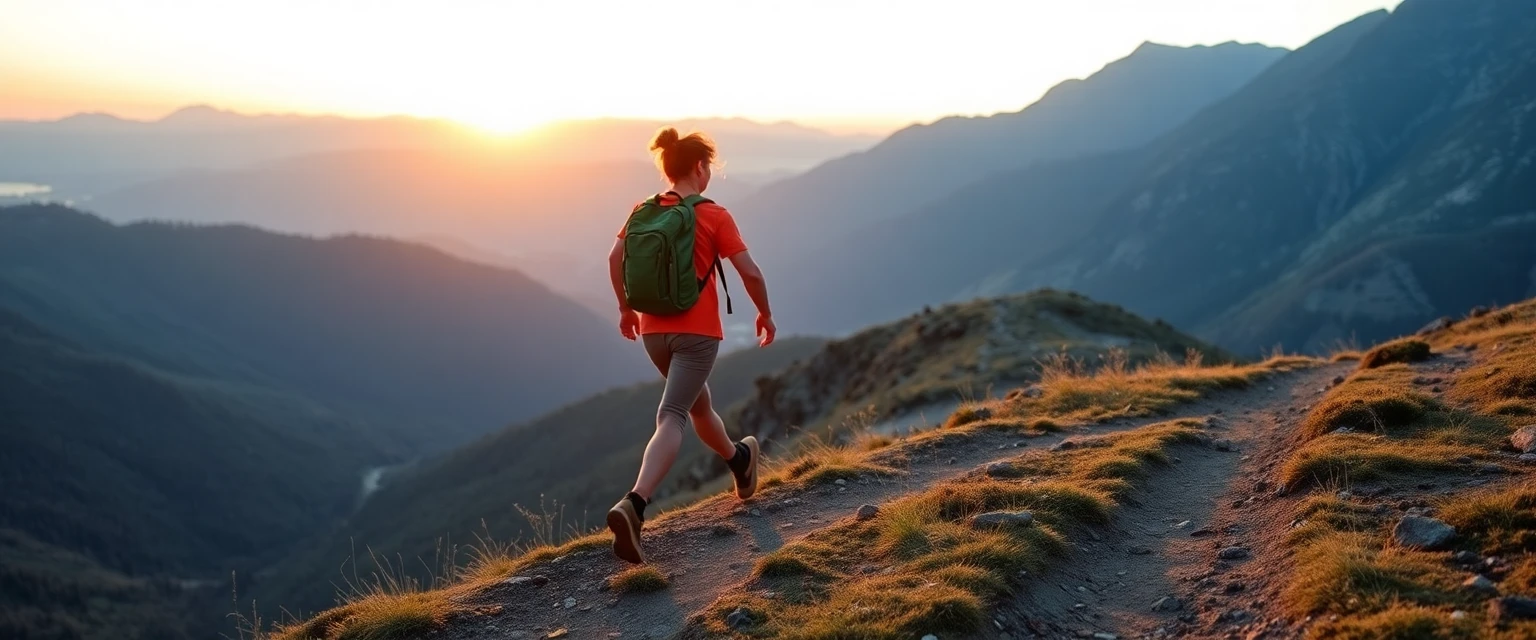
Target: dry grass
1342, 573
1406, 350
1340, 459
1398, 623
1380, 404
642, 579
1070, 391
918, 567
378, 616
1345, 564
1500, 521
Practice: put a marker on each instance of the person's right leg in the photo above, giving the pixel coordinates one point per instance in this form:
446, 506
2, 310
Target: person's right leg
685, 361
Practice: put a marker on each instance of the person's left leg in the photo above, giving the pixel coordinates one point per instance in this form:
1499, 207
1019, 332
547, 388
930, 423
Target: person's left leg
741, 457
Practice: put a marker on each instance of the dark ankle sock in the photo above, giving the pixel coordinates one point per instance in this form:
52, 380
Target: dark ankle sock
738, 463
639, 502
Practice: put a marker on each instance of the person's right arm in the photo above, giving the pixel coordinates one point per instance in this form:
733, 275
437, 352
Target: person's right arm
757, 289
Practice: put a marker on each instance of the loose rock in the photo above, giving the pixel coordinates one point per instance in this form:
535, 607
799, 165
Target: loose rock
1417, 532
1233, 553
1223, 445
1437, 325
739, 619
999, 469
1524, 439
867, 512
1167, 603
840, 482
1338, 380
1512, 608
1466, 557
1480, 583
570, 603
997, 519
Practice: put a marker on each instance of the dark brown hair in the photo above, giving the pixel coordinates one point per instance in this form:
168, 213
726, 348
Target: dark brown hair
677, 156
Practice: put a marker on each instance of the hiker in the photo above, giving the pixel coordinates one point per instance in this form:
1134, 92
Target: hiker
664, 267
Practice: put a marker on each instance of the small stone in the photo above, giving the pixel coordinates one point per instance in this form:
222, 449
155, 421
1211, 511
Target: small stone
1512, 608
1223, 445
930, 637
1181, 525
558, 633
1466, 557
951, 461
1458, 614
999, 469
1236, 616
1438, 324
1139, 551
1480, 583
841, 482
1435, 389
1201, 532
866, 512
1416, 532
1338, 380
757, 513
1065, 445
1524, 439
739, 619
570, 602
1167, 603
1235, 587
584, 608
1233, 553
998, 519
1105, 636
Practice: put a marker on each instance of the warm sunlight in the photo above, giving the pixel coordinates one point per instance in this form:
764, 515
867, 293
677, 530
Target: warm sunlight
506, 66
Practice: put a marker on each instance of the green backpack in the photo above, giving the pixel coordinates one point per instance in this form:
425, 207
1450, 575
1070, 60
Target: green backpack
658, 258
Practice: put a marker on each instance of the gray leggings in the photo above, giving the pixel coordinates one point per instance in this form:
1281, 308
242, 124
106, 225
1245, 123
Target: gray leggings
686, 360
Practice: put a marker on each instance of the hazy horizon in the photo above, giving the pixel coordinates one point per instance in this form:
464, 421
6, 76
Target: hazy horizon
60, 58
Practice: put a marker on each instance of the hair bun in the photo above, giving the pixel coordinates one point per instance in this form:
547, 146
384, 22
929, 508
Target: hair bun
665, 139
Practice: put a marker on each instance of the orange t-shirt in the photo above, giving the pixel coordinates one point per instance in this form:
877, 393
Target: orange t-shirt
715, 234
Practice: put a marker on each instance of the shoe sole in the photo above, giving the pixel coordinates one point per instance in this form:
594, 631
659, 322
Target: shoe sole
744, 491
626, 543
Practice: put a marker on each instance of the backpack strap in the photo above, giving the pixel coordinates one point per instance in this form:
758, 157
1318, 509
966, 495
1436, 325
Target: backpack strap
691, 202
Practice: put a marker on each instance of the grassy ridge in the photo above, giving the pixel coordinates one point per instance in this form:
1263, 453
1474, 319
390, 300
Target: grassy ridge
1376, 427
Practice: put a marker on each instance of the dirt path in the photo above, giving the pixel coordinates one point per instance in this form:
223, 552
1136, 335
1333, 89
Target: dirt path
1207, 534
713, 547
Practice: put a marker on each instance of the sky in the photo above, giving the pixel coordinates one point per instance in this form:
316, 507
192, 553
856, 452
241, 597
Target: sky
507, 65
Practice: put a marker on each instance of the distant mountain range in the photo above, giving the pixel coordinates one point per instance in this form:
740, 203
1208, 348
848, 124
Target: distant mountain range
1357, 188
179, 402
551, 199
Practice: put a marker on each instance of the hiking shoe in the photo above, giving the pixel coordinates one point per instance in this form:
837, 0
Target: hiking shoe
624, 521
745, 473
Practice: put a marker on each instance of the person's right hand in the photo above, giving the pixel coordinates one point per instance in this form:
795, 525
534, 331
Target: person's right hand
765, 330
629, 324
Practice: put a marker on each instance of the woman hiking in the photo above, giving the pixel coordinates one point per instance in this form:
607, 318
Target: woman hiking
664, 266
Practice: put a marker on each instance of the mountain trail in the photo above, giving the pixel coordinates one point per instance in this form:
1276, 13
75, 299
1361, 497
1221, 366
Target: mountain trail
1199, 550
713, 546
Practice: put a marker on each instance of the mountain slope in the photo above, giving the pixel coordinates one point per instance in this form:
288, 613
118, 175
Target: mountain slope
1126, 104
1375, 147
578, 456
398, 334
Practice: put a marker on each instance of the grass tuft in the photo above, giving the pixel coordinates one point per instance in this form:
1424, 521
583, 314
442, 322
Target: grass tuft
1499, 521
1349, 573
1397, 623
1340, 459
1394, 352
641, 579
1378, 406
